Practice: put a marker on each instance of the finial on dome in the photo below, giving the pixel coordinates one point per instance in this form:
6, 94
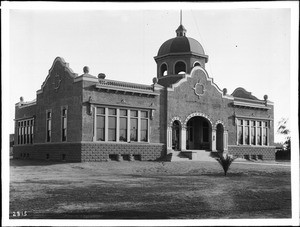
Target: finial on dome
181, 17
180, 31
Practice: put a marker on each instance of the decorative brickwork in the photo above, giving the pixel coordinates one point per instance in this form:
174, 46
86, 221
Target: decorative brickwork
251, 152
69, 152
89, 152
103, 151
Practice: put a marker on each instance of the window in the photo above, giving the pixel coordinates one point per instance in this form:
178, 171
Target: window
112, 124
64, 124
144, 126
252, 132
133, 125
240, 131
31, 131
247, 132
100, 115
265, 133
259, 133
25, 131
48, 126
121, 125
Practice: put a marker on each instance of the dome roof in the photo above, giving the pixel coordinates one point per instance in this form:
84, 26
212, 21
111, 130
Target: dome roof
181, 44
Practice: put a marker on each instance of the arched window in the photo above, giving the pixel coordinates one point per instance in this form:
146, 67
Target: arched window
180, 67
163, 69
197, 64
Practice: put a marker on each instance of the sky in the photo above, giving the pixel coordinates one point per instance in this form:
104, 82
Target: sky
247, 47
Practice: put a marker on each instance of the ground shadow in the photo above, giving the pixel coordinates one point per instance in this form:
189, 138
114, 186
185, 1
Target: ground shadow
24, 162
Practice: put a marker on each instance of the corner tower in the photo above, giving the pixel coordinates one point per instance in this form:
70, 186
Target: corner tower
177, 56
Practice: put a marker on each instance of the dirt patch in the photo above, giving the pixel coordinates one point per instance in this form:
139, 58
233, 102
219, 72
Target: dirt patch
149, 190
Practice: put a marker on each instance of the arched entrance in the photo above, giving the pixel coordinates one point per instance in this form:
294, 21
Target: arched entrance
176, 135
220, 137
198, 134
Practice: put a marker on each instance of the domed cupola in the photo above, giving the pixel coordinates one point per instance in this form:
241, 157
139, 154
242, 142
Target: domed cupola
177, 56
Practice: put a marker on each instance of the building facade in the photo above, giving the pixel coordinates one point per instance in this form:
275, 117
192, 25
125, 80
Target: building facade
89, 118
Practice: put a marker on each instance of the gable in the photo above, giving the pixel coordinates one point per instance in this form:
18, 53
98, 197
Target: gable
59, 74
242, 93
198, 85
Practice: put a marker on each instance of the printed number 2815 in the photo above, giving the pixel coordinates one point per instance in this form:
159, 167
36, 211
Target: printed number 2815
19, 213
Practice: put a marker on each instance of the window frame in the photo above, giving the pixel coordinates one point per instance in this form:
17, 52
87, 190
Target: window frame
260, 126
25, 131
138, 117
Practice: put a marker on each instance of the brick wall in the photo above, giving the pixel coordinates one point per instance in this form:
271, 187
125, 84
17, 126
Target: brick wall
69, 95
88, 152
266, 153
53, 152
183, 101
103, 151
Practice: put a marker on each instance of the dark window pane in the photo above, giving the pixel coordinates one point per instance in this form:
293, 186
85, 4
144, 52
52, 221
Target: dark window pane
123, 112
112, 112
133, 129
123, 129
258, 136
112, 122
100, 110
133, 113
265, 141
144, 114
100, 132
240, 134
247, 134
253, 135
144, 130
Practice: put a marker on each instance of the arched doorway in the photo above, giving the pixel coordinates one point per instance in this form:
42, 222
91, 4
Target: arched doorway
176, 135
220, 136
198, 134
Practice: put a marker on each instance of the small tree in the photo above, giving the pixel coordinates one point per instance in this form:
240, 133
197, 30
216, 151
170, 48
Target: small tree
284, 130
224, 160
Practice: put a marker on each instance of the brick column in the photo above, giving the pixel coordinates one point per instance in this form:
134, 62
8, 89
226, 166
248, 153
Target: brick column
183, 139
169, 138
225, 141
213, 140
95, 124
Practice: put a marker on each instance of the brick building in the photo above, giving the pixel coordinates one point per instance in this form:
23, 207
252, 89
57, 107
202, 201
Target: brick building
89, 118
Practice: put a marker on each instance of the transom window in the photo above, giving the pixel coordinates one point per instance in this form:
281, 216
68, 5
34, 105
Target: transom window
252, 132
121, 125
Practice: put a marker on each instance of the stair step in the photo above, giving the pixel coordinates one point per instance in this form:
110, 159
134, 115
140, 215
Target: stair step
190, 155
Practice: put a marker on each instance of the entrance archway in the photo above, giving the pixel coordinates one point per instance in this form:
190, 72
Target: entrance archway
220, 136
176, 135
198, 134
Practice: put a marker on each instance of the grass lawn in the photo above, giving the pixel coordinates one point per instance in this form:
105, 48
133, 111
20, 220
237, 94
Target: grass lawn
148, 190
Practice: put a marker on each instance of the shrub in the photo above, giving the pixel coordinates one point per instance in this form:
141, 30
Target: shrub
225, 160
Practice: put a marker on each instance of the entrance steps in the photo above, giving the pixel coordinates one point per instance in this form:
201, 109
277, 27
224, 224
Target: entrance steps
189, 155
